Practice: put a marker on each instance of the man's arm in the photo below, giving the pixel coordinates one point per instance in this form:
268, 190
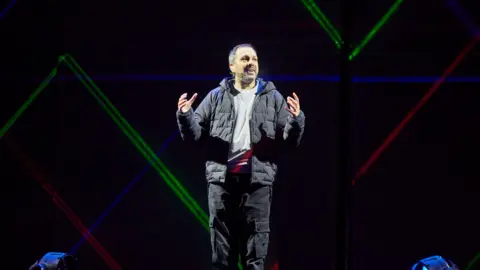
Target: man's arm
192, 124
293, 126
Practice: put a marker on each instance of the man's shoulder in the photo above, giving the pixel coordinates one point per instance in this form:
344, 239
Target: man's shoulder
276, 94
270, 88
216, 92
213, 96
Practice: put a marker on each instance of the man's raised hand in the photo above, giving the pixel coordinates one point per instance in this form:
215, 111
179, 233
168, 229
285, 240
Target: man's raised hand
293, 105
184, 104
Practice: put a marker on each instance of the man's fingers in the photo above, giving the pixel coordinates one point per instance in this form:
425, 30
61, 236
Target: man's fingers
193, 98
290, 110
183, 97
296, 97
289, 99
292, 102
182, 100
182, 103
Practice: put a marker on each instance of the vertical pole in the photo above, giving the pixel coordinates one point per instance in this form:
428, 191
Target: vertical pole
344, 139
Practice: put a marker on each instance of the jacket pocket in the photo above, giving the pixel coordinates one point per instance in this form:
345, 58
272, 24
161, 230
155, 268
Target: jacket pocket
215, 172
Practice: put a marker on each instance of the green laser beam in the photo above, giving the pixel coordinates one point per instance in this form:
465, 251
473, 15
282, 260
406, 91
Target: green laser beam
323, 21
139, 147
320, 17
126, 128
183, 195
82, 75
29, 101
473, 261
332, 28
376, 28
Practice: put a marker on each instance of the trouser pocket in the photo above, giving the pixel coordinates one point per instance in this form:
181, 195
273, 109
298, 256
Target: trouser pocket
257, 244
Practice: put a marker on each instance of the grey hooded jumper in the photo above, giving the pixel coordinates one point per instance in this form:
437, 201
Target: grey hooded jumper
272, 128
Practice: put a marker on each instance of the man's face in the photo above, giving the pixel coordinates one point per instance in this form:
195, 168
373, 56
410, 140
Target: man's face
245, 65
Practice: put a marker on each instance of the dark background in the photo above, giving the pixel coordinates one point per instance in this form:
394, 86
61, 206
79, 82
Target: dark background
420, 198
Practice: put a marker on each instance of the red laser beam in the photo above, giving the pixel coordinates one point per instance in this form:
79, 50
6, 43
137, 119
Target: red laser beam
114, 265
60, 203
410, 115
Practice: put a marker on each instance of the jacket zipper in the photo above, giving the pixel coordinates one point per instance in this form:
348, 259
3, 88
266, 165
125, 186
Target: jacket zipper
255, 99
233, 128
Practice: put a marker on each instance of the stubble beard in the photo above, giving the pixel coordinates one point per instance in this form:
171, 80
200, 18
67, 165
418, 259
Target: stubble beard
247, 79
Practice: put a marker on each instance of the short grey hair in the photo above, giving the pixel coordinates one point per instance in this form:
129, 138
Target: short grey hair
233, 52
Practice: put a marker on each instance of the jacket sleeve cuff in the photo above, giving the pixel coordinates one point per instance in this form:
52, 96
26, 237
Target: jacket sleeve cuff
297, 119
183, 116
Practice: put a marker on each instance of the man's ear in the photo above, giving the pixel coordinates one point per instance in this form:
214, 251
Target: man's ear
231, 68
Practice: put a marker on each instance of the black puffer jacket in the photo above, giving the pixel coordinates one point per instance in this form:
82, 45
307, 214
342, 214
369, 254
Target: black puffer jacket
272, 128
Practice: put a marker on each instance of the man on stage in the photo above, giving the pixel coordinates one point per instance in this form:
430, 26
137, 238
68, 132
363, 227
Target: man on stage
248, 125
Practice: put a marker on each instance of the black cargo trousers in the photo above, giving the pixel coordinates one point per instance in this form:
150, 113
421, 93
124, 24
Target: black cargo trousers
239, 222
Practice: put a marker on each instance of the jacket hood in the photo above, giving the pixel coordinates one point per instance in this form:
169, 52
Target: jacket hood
264, 86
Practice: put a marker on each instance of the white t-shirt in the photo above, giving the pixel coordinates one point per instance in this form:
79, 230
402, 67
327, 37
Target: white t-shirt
240, 152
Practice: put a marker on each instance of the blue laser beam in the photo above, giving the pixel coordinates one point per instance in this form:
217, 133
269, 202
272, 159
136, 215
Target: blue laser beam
7, 8
462, 15
414, 79
120, 196
283, 78
164, 146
